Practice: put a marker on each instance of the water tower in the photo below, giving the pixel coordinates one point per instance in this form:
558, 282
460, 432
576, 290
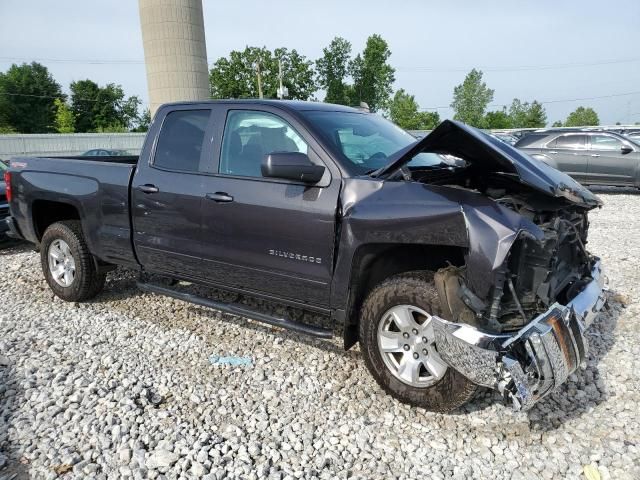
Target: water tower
175, 52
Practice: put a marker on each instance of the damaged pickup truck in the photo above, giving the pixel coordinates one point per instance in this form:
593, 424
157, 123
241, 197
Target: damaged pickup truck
455, 261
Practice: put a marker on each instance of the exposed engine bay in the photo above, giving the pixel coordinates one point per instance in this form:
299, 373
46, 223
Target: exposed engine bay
536, 273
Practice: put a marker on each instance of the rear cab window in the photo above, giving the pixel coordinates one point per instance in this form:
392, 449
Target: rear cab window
181, 140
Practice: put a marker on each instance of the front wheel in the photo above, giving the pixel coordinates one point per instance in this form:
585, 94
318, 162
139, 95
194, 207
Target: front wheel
398, 344
67, 264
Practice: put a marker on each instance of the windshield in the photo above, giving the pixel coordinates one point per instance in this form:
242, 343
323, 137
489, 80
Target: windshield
364, 141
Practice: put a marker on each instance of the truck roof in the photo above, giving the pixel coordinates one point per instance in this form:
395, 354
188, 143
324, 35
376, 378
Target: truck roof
297, 105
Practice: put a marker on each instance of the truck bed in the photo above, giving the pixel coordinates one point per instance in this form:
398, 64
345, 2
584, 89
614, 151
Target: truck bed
96, 187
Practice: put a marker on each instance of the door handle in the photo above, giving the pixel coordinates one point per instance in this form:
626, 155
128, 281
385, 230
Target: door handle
148, 188
595, 154
220, 197
553, 152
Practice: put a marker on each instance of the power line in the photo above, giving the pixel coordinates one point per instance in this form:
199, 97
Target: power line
106, 100
77, 61
519, 68
545, 102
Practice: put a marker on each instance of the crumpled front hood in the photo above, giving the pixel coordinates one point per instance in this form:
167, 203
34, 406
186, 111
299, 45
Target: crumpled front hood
492, 155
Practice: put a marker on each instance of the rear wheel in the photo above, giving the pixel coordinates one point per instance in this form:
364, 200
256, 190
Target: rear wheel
398, 344
67, 264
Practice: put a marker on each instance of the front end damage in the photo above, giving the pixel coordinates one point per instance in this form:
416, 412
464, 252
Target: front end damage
528, 364
513, 317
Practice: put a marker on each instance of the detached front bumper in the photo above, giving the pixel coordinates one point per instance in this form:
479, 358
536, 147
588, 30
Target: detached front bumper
531, 363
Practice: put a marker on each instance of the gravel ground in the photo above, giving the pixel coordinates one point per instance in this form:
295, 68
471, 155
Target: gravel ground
121, 387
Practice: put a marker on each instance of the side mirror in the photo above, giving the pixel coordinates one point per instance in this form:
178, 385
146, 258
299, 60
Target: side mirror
291, 166
626, 149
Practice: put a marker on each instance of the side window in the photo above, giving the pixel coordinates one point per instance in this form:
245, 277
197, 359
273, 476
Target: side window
249, 136
181, 140
605, 142
571, 141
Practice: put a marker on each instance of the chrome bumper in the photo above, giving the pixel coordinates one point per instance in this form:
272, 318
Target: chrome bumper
531, 363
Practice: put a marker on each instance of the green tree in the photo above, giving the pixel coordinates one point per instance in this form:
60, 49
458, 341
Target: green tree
236, 76
98, 108
404, 112
27, 95
64, 121
471, 98
582, 116
557, 123
144, 121
527, 115
332, 70
497, 119
372, 75
537, 116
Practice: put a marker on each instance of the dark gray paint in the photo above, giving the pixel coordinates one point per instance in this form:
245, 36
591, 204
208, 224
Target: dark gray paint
179, 231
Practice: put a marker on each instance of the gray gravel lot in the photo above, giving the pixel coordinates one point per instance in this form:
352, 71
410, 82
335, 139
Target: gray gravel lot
121, 387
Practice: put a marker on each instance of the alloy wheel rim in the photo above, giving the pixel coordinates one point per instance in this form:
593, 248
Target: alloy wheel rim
61, 263
406, 341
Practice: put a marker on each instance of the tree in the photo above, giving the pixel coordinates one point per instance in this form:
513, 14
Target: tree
27, 95
83, 97
497, 119
471, 98
537, 115
372, 75
237, 76
144, 121
403, 111
527, 115
332, 70
64, 121
582, 116
557, 123
102, 108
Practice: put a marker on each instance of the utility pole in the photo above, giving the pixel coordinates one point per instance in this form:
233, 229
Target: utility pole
259, 79
282, 90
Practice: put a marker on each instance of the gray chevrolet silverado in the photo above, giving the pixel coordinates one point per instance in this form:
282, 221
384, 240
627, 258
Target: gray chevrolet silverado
451, 274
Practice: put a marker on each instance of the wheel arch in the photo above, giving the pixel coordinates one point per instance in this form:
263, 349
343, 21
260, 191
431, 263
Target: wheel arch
374, 263
45, 213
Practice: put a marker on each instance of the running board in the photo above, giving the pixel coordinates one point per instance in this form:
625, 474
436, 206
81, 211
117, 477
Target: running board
238, 310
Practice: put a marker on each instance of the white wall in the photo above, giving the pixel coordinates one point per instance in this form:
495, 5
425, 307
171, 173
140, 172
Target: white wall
67, 144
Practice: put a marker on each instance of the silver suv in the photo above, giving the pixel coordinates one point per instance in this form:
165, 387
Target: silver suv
591, 157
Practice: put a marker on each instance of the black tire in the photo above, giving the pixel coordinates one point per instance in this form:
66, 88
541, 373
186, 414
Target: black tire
412, 288
88, 282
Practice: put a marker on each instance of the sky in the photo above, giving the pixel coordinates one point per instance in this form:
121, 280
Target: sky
551, 51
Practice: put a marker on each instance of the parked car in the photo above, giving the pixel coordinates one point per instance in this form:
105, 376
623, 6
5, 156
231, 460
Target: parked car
634, 136
101, 152
450, 276
592, 157
504, 137
4, 205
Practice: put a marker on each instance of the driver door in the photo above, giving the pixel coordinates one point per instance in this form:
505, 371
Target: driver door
267, 235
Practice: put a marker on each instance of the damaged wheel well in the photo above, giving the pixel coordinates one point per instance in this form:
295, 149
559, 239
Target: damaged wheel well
372, 264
